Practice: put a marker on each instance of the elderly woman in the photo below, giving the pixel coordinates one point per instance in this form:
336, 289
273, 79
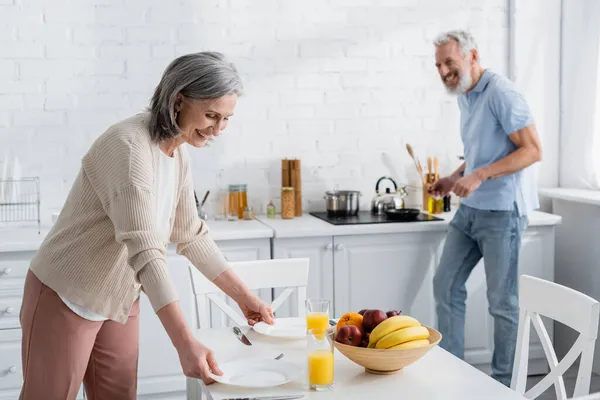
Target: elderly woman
132, 196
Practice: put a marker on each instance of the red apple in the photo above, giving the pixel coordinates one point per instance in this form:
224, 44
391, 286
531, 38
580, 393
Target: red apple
364, 342
392, 313
349, 334
372, 318
362, 312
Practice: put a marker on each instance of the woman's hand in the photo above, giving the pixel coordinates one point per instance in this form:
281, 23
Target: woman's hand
255, 310
198, 361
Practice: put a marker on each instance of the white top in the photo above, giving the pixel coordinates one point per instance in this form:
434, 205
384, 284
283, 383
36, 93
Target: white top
584, 196
438, 375
164, 187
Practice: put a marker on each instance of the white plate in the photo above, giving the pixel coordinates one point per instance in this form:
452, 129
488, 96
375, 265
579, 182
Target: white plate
257, 372
289, 328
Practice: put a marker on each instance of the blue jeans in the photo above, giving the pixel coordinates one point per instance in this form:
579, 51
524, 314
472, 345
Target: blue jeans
495, 236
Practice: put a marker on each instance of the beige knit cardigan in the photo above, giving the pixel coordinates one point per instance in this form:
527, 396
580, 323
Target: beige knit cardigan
105, 245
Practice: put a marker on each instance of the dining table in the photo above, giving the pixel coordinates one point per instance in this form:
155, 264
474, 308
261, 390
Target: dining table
438, 375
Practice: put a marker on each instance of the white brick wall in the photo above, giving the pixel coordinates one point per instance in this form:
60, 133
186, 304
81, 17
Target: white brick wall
335, 83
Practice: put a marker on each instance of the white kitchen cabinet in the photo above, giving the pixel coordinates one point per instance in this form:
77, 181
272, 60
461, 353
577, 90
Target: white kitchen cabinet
386, 272
536, 259
13, 270
159, 370
319, 251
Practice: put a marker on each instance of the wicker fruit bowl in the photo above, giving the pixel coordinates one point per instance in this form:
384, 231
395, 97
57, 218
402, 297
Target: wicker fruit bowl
387, 361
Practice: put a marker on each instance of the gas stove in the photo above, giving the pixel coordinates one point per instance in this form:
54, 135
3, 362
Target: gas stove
365, 217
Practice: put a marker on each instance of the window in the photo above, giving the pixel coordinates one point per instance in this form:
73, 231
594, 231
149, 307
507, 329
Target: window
596, 139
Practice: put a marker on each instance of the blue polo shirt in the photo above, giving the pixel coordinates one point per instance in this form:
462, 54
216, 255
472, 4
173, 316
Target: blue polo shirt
489, 112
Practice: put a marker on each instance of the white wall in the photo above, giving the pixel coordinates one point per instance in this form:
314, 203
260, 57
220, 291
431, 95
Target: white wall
580, 81
535, 68
335, 83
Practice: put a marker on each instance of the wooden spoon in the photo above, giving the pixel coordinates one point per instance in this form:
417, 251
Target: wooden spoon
436, 167
417, 163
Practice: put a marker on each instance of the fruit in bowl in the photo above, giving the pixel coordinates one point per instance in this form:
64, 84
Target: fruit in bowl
372, 318
349, 335
387, 344
351, 318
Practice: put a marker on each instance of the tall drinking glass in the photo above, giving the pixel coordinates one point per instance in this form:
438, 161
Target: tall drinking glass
317, 313
320, 359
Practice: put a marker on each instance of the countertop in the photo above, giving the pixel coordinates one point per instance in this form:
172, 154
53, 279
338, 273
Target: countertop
576, 195
26, 238
309, 226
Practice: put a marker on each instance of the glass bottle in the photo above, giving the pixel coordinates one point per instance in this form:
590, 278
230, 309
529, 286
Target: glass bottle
271, 212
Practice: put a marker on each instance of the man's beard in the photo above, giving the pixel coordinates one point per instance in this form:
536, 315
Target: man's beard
464, 82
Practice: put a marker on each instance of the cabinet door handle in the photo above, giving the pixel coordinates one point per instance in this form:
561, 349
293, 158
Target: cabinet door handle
329, 246
339, 247
12, 369
6, 271
9, 310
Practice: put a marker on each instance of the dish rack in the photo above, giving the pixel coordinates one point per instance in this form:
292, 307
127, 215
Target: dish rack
20, 201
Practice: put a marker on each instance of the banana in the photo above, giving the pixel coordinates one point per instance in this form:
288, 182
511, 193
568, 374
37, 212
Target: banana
402, 336
413, 344
390, 325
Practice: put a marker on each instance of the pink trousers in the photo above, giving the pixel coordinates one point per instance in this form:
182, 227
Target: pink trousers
60, 350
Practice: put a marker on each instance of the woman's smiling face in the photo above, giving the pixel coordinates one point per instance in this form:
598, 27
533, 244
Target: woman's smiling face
201, 120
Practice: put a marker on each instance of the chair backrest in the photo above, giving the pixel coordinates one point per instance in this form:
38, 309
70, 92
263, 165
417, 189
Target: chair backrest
291, 274
538, 297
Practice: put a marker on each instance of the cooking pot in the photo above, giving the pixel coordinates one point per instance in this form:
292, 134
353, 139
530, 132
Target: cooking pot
388, 200
342, 203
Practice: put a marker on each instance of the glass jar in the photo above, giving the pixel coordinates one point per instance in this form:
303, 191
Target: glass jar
288, 205
249, 213
238, 201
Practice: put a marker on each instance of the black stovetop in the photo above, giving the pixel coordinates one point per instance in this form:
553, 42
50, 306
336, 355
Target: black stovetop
365, 217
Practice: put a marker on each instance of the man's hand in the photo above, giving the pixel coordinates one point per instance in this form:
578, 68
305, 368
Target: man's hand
442, 186
467, 185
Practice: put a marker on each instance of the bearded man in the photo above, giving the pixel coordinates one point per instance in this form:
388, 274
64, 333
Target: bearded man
497, 192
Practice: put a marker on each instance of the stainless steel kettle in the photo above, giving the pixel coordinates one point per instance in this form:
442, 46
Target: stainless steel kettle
388, 200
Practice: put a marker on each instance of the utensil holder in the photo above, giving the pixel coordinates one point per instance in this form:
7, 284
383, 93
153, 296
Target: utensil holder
427, 199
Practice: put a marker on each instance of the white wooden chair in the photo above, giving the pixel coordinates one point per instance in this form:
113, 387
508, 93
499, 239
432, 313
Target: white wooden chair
291, 274
538, 297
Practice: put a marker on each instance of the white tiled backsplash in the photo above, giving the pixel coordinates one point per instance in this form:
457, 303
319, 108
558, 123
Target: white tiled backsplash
335, 83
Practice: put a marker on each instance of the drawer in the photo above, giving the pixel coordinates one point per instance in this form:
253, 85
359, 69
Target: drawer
10, 307
13, 269
11, 374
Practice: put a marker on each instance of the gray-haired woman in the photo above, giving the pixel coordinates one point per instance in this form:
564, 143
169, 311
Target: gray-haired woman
132, 196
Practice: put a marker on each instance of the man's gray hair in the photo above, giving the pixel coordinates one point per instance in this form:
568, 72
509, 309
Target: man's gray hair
204, 75
464, 39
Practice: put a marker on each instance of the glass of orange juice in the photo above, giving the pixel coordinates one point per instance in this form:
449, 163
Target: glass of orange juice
320, 359
317, 313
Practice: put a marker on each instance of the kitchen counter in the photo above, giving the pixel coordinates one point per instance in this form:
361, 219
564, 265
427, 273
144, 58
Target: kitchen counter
26, 238
309, 226
584, 196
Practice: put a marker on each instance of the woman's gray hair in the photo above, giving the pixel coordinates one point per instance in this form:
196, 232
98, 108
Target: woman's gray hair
204, 75
464, 39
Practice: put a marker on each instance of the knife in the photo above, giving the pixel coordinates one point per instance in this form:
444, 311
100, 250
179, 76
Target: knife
241, 336
298, 396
